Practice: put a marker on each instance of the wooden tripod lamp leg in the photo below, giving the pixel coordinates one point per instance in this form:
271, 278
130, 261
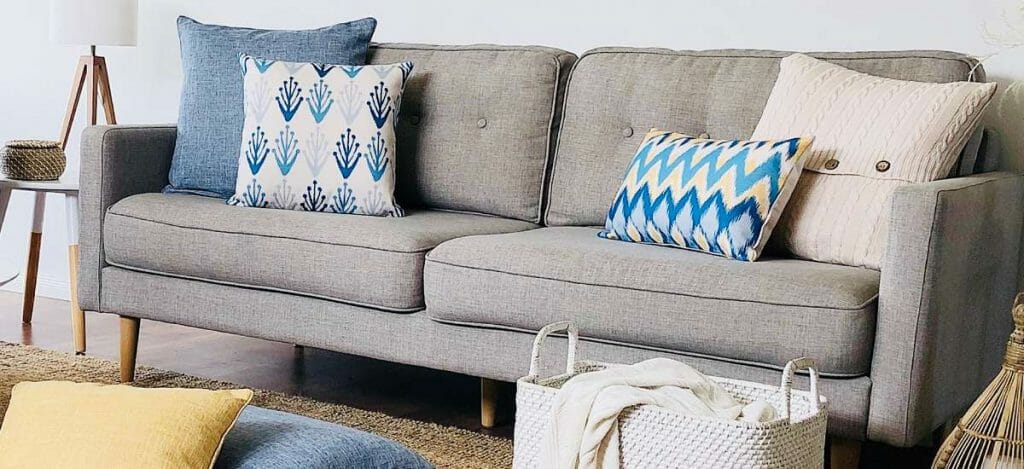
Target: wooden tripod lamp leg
76, 95
90, 76
103, 82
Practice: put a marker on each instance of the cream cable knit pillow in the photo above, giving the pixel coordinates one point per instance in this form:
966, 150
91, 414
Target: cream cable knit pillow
871, 135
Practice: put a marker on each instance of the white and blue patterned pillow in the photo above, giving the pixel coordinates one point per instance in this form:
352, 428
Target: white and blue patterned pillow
718, 196
320, 138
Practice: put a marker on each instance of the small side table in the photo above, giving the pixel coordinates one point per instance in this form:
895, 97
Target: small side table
70, 191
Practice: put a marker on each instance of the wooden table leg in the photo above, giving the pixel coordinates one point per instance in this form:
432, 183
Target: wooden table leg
32, 266
77, 315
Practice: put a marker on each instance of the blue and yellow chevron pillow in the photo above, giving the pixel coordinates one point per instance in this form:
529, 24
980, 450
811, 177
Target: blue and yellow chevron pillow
718, 196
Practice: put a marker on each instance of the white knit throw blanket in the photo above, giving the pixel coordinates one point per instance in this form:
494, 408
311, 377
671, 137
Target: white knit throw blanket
584, 433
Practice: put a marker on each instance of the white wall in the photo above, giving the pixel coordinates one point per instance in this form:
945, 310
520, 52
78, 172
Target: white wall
146, 79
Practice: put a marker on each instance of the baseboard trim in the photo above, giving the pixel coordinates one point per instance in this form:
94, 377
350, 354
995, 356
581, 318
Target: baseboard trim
46, 286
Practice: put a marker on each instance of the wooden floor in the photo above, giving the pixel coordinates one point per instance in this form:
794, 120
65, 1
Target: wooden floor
398, 390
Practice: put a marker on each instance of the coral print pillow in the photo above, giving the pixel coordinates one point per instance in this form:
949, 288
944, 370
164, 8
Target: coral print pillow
320, 138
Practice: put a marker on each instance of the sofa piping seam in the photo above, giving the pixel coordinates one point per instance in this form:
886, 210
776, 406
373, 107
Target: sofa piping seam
546, 50
619, 343
679, 53
860, 307
550, 175
549, 136
420, 251
332, 299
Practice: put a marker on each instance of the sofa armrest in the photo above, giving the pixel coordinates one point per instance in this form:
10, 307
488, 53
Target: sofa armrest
948, 280
117, 161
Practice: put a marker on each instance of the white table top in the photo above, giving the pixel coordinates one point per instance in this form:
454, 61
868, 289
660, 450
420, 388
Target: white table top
62, 185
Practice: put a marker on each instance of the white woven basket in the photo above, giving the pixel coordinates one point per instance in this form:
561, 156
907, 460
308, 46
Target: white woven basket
651, 437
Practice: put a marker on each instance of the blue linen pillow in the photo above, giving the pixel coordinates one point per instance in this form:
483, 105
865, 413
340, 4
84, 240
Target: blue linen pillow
263, 438
211, 115
721, 197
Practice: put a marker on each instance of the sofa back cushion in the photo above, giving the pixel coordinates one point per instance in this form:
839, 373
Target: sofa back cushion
477, 125
615, 95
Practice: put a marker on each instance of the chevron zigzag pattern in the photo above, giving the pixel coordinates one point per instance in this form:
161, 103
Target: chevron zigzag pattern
717, 196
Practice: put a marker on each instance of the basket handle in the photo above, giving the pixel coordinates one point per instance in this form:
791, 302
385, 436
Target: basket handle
562, 326
786, 387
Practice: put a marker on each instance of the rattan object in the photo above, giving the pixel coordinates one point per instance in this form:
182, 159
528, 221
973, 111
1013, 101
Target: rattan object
991, 433
32, 160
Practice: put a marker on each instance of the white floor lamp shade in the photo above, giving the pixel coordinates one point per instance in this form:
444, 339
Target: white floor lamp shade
94, 22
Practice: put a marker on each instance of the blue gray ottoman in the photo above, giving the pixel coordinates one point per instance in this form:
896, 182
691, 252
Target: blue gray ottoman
263, 438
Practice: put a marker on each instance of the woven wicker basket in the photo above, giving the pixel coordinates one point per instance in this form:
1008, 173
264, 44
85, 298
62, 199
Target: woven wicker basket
651, 437
32, 160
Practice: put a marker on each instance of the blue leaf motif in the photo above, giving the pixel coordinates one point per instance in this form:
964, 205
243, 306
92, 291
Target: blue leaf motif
347, 156
377, 157
379, 104
351, 70
344, 200
256, 151
254, 195
314, 199
322, 69
319, 101
289, 98
263, 65
286, 150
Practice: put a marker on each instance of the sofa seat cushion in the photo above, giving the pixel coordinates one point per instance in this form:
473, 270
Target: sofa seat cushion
766, 312
367, 261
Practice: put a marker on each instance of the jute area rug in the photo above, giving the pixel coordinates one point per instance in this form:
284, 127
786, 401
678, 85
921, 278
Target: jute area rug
444, 446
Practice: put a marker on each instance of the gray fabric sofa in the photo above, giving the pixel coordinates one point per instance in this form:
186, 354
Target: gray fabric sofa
508, 160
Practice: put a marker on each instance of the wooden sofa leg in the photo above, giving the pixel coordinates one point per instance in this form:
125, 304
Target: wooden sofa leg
129, 347
488, 402
844, 453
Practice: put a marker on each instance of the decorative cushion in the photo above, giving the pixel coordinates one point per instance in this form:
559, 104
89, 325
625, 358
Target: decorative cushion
372, 262
871, 135
265, 438
205, 153
320, 138
721, 93
477, 124
677, 300
82, 425
718, 196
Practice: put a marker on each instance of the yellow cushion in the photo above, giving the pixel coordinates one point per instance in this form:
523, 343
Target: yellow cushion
63, 424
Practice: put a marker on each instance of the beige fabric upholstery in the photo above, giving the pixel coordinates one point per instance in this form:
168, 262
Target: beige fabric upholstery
871, 135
